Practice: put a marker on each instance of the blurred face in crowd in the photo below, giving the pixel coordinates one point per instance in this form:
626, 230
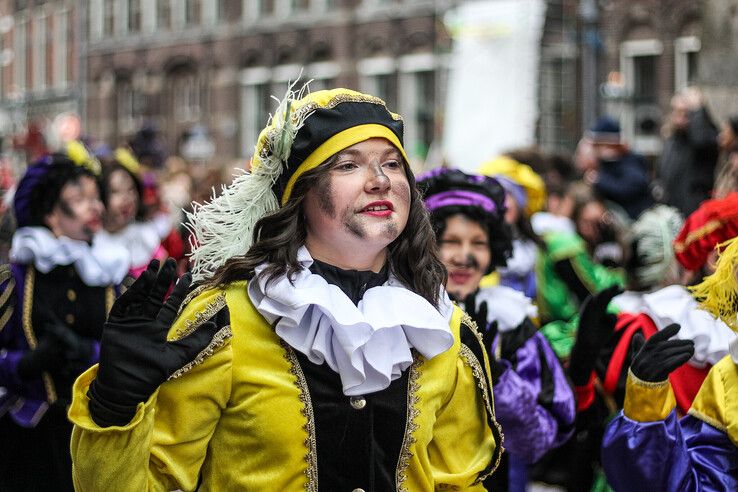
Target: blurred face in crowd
585, 157
589, 223
122, 201
78, 213
360, 206
607, 151
465, 252
679, 113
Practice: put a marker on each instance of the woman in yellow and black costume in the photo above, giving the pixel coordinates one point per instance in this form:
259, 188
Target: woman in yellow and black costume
293, 373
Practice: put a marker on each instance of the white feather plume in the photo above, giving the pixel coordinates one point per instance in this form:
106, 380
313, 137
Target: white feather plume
223, 227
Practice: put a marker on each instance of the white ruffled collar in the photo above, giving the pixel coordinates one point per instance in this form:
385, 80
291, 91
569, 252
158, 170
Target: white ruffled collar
674, 304
140, 239
97, 265
369, 344
505, 305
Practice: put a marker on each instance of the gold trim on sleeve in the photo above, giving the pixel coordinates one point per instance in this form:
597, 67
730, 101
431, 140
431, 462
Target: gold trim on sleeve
218, 340
28, 329
410, 426
202, 316
311, 443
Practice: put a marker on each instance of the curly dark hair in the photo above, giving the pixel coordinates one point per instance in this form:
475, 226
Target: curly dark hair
413, 257
499, 234
46, 194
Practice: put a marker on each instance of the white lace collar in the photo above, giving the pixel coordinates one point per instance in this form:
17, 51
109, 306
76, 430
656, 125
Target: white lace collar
369, 344
506, 305
140, 239
674, 304
97, 265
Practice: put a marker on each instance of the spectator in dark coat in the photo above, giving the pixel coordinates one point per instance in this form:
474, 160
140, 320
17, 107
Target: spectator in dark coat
621, 176
687, 167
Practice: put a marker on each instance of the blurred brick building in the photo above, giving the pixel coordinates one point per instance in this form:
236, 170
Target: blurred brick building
40, 55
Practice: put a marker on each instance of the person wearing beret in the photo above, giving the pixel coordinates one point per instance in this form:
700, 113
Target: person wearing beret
318, 350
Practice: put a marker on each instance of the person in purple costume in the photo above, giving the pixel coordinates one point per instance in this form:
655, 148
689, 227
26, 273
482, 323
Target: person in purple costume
54, 298
647, 443
534, 403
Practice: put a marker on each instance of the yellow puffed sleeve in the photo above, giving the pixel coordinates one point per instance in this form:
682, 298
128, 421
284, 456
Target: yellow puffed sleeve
646, 401
717, 401
466, 442
165, 444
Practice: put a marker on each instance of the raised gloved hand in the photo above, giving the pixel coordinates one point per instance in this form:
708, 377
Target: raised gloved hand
135, 356
658, 356
595, 327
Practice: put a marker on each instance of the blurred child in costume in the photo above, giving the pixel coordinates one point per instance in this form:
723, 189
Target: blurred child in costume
533, 401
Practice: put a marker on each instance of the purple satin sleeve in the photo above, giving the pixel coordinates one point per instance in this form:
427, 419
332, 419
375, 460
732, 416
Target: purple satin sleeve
8, 369
686, 454
533, 423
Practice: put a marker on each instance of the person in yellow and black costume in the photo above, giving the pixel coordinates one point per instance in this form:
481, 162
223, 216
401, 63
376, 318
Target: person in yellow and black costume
324, 356
647, 443
55, 296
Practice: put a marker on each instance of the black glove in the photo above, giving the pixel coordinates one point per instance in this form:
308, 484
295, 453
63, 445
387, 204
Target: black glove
488, 331
135, 356
47, 356
595, 327
496, 367
478, 314
658, 356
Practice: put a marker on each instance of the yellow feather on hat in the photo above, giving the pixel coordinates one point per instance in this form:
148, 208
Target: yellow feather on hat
718, 292
79, 154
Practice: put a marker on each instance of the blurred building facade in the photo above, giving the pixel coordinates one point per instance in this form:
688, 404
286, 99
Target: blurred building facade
40, 55
650, 49
193, 65
216, 63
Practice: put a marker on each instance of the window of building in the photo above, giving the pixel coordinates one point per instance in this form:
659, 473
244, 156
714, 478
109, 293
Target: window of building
185, 98
266, 7
108, 17
39, 53
686, 53
163, 14
378, 76
300, 5
192, 12
641, 115
20, 56
134, 15
255, 105
229, 10
60, 49
416, 101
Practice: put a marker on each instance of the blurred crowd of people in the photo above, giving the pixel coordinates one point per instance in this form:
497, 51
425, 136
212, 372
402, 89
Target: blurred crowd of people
578, 272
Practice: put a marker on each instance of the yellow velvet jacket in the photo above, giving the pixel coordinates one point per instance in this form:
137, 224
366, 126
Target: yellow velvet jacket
240, 416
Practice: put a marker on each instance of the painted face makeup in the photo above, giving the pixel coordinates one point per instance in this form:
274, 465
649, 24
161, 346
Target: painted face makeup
362, 205
464, 250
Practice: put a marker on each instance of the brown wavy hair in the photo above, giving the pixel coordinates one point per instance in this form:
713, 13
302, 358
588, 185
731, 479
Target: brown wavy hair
413, 257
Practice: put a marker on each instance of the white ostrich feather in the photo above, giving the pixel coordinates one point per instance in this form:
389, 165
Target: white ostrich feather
223, 227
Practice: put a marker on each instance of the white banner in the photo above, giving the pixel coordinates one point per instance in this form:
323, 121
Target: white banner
492, 100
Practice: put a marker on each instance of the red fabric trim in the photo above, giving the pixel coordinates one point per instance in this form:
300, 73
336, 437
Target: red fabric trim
685, 380
585, 395
634, 322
